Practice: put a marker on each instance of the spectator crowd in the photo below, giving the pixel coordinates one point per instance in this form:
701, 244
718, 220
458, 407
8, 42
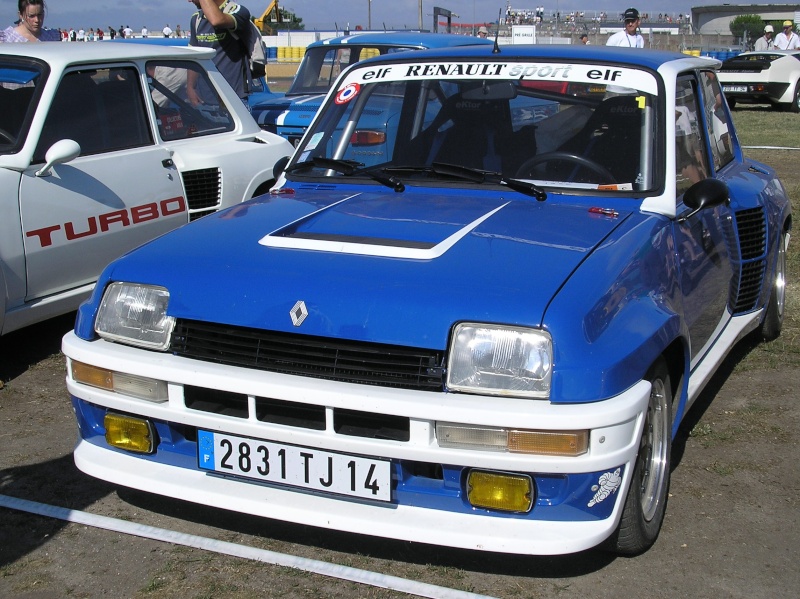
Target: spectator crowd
124, 31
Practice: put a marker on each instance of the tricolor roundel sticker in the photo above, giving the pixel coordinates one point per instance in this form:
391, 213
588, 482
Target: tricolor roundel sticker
347, 93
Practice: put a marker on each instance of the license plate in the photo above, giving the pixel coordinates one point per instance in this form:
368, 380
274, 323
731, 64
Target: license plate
734, 88
314, 469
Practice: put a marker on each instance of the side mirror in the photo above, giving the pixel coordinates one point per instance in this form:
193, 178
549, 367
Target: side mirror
59, 153
277, 170
704, 194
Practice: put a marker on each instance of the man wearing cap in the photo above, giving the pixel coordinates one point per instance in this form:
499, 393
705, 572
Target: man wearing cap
787, 39
482, 32
629, 36
765, 42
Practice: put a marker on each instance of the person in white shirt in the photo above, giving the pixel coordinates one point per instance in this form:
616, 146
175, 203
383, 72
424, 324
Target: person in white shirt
787, 39
629, 36
145, 33
766, 42
167, 31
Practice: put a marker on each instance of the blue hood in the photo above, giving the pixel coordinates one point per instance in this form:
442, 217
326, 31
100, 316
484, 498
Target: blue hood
288, 111
364, 261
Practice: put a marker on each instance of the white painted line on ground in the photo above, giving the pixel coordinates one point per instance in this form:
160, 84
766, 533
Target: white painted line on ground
375, 579
768, 148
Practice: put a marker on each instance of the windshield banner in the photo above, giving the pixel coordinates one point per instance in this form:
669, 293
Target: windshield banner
619, 77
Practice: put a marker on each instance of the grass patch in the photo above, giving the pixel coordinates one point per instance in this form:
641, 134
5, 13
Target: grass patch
751, 423
762, 126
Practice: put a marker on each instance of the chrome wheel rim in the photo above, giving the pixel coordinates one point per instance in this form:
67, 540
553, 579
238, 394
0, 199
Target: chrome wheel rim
653, 450
780, 277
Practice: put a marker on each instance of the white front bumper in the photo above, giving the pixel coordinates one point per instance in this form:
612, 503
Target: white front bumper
615, 426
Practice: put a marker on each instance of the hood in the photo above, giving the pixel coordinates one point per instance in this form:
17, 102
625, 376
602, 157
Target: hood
372, 266
290, 111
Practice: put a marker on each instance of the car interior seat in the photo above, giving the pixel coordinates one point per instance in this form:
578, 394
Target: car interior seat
474, 135
612, 137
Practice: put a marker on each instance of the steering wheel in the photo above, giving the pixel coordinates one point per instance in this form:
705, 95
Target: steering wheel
7, 136
527, 167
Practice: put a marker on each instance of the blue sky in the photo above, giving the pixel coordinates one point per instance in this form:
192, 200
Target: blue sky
317, 14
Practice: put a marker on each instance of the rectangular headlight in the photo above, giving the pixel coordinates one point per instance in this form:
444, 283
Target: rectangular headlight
135, 315
500, 360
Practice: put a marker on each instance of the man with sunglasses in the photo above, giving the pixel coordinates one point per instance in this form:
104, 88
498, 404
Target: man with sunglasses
629, 37
787, 39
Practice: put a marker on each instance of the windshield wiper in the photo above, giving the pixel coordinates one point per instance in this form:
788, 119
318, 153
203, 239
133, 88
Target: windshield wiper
480, 176
350, 168
475, 175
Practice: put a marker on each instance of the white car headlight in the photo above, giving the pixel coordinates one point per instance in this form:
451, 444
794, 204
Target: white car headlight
500, 360
135, 315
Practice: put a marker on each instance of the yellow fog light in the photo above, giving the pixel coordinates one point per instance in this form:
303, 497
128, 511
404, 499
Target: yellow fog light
500, 491
129, 433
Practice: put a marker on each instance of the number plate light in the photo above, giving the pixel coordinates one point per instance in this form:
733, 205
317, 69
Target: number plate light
500, 491
129, 433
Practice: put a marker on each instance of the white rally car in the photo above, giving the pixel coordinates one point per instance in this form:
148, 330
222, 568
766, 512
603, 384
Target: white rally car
100, 152
768, 77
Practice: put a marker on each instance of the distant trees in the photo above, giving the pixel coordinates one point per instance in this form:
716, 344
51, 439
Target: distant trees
753, 25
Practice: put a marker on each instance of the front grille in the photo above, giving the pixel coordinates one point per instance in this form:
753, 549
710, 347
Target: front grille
752, 233
202, 188
317, 357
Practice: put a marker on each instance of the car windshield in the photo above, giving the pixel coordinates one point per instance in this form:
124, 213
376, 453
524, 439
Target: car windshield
558, 125
19, 83
322, 65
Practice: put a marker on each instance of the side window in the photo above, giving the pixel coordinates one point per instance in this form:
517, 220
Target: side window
690, 153
102, 109
176, 116
716, 120
335, 60
367, 52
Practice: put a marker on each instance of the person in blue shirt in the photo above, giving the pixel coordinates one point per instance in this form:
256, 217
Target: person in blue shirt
222, 25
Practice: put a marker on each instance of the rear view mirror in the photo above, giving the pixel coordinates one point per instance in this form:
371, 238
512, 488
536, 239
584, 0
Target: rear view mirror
60, 152
502, 90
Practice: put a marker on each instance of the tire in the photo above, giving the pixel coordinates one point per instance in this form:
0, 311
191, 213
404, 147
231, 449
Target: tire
646, 501
795, 105
773, 319
731, 103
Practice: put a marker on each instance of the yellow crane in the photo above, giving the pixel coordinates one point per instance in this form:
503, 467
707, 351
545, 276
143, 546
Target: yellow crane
271, 15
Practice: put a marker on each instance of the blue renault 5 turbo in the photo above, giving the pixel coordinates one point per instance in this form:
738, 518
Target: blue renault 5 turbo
484, 338
290, 115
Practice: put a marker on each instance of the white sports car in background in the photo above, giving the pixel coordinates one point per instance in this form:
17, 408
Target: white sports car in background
770, 77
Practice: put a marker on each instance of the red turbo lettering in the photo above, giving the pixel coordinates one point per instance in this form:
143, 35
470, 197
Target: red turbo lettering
102, 223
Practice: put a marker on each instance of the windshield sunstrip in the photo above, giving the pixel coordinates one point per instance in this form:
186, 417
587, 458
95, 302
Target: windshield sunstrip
634, 79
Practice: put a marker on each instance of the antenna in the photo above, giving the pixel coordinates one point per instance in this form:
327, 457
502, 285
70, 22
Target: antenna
496, 49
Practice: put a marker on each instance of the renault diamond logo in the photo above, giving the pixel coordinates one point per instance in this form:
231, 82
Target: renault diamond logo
298, 313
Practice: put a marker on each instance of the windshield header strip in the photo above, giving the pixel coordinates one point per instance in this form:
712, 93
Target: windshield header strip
623, 77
